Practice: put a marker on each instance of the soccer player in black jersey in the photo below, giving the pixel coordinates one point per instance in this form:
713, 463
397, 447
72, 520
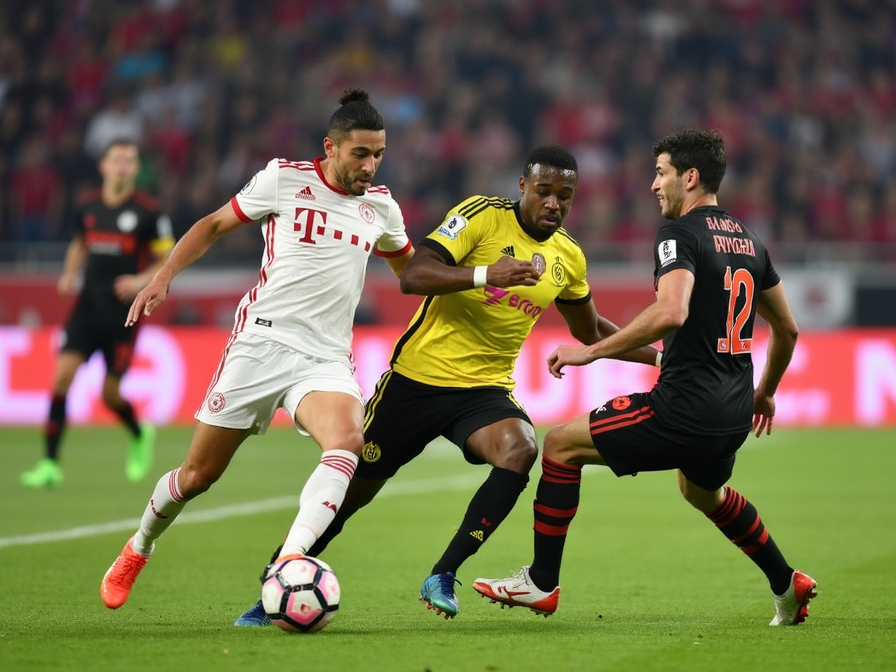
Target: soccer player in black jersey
713, 275
121, 239
488, 272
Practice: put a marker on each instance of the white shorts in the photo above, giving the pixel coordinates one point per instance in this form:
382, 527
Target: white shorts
257, 376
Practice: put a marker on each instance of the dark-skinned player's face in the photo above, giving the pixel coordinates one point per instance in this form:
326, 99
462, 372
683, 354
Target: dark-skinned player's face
545, 198
356, 158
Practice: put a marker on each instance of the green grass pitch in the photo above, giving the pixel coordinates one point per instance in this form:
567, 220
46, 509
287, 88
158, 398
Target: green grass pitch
648, 583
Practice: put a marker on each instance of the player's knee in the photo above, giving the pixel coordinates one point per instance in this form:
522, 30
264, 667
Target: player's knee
352, 441
556, 448
193, 481
703, 500
518, 457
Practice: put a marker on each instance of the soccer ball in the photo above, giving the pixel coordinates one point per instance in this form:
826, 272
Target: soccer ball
300, 594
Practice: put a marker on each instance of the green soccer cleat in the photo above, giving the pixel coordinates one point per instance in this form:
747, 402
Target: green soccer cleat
47, 474
140, 457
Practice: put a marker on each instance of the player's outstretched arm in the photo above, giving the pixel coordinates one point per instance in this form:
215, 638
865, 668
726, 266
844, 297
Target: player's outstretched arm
428, 274
587, 327
774, 308
194, 243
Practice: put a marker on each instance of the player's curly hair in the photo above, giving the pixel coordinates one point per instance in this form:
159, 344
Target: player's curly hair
355, 113
695, 148
550, 155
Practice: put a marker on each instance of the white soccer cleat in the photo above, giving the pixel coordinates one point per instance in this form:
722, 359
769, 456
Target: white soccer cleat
792, 608
519, 591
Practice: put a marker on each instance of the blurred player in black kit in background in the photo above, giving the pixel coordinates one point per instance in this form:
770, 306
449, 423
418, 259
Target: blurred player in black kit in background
121, 239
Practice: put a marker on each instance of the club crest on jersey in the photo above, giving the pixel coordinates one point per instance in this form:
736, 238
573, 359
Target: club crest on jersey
371, 452
667, 253
216, 403
558, 273
127, 221
247, 188
452, 226
368, 214
621, 403
538, 263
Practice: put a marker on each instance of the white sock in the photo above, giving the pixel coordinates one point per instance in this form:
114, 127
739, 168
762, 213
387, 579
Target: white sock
321, 497
163, 507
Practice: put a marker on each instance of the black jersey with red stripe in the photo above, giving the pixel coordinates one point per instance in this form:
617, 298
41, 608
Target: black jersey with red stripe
117, 242
706, 382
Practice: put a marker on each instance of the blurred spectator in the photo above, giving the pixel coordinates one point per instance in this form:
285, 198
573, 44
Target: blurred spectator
118, 120
804, 93
35, 194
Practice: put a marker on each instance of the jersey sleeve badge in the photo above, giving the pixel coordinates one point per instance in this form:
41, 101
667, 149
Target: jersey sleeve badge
452, 226
667, 252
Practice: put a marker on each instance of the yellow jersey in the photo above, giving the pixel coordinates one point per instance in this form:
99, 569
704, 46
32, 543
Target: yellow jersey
472, 338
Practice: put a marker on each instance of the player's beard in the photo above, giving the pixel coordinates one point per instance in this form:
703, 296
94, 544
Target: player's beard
348, 182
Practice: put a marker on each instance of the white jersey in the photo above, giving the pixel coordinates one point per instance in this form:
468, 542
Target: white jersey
317, 240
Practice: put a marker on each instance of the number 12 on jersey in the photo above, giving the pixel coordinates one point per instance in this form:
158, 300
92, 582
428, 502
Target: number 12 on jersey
736, 283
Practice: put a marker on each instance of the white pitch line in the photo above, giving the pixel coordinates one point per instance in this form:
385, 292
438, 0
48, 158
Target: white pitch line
235, 511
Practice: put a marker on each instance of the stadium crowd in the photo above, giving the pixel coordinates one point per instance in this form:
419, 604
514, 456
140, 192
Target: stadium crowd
804, 93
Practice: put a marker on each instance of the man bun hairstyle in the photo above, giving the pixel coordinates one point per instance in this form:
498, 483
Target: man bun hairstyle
550, 155
355, 113
695, 148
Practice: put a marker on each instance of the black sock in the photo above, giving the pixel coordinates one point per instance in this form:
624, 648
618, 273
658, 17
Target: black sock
267, 567
126, 414
556, 503
740, 522
488, 509
55, 427
333, 529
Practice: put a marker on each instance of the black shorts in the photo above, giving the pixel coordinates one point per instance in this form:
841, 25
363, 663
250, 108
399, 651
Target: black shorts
630, 439
85, 335
403, 416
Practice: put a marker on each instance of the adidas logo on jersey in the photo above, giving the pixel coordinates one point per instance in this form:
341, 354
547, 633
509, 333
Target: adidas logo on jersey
508, 251
306, 194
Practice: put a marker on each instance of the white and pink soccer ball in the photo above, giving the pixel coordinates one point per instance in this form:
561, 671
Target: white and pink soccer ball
300, 594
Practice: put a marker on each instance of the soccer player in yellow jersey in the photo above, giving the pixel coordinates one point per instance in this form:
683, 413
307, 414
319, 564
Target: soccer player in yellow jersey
488, 272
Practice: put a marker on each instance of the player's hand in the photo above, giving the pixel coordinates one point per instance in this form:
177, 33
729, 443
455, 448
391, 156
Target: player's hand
127, 286
68, 283
510, 272
568, 355
763, 413
147, 300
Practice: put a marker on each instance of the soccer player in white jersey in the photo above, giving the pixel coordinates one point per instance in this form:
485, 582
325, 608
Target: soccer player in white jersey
321, 220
